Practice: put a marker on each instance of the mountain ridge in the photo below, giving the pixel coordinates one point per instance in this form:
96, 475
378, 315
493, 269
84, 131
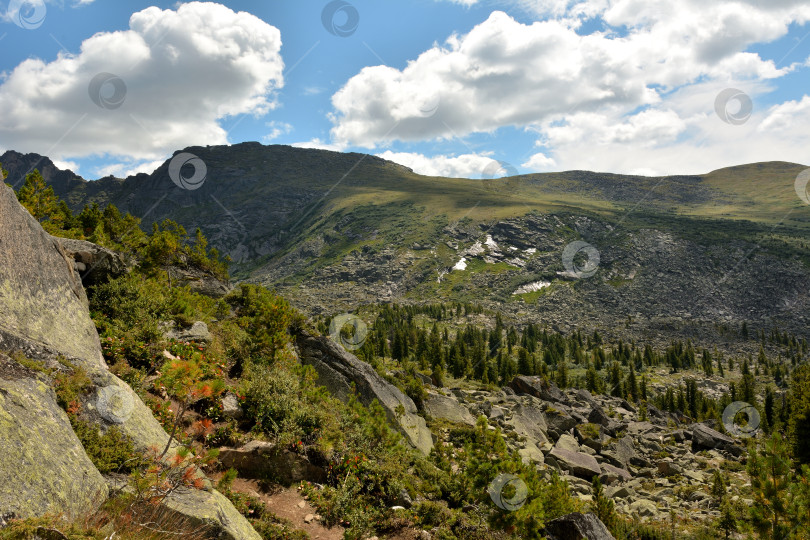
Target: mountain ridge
337, 231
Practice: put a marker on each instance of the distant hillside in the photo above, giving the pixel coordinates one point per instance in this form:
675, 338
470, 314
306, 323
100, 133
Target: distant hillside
333, 231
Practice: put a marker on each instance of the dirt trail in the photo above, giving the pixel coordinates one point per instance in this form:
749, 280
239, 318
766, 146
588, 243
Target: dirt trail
289, 504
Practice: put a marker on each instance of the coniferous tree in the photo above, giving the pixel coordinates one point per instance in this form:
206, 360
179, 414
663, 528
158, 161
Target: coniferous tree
602, 505
770, 471
37, 196
632, 384
799, 419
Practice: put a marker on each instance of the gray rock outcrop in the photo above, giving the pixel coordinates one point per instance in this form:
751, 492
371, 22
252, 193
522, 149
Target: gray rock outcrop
447, 408
94, 264
264, 460
577, 526
44, 468
577, 463
339, 370
705, 437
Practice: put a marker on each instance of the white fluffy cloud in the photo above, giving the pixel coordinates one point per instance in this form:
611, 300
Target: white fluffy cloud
539, 162
277, 129
183, 71
507, 73
622, 92
462, 166
683, 139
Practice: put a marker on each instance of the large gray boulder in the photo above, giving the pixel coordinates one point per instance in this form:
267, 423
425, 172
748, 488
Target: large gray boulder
704, 437
577, 526
611, 474
448, 408
577, 463
264, 460
202, 281
196, 332
530, 422
42, 301
537, 387
338, 370
620, 453
559, 420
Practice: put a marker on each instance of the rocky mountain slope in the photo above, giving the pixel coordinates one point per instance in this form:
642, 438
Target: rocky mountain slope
677, 255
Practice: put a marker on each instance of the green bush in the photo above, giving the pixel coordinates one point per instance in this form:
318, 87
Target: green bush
276, 400
111, 451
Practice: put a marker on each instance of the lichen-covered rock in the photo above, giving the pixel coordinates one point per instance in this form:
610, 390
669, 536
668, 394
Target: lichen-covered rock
43, 313
113, 402
44, 468
212, 509
41, 299
338, 370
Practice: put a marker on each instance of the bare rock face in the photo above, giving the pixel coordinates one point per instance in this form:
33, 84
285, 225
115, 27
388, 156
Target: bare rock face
338, 370
41, 299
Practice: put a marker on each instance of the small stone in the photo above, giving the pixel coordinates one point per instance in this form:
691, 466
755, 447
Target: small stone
309, 518
230, 406
302, 504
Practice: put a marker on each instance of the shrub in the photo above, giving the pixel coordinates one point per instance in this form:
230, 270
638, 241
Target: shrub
275, 400
111, 451
70, 387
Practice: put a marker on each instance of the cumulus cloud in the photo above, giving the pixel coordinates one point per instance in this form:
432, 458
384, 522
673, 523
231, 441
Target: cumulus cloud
138, 94
682, 139
277, 129
505, 73
539, 162
122, 170
461, 166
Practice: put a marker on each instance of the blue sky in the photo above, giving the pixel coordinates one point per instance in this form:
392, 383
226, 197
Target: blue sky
445, 87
